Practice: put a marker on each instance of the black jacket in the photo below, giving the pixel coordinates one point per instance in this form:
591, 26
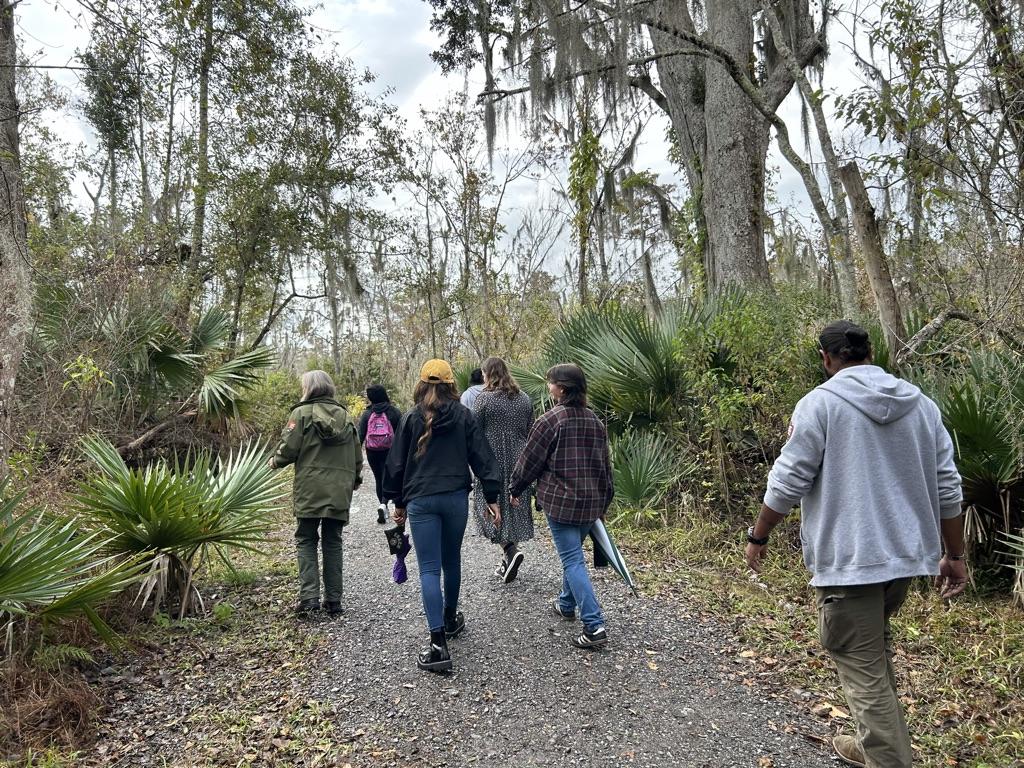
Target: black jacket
456, 444
394, 416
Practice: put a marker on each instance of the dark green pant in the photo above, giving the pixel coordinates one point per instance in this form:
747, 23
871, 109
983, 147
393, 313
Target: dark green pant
308, 532
854, 627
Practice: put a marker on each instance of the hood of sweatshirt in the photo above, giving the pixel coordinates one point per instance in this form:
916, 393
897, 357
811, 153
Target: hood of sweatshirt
880, 396
380, 407
445, 418
329, 420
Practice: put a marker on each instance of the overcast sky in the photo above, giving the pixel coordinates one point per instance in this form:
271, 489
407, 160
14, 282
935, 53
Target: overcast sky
391, 38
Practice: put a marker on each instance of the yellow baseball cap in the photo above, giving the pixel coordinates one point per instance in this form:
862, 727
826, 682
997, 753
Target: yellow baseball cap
437, 372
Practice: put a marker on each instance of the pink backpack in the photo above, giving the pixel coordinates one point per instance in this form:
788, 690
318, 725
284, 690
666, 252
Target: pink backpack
379, 433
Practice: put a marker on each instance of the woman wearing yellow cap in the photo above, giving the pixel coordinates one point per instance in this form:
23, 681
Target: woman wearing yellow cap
427, 477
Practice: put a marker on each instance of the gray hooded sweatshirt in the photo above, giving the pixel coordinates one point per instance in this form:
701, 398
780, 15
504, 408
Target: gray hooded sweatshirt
871, 464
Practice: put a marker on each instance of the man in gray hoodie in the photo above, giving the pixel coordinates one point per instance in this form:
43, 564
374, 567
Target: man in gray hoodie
871, 464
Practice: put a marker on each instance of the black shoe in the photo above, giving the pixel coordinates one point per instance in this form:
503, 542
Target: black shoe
381, 512
333, 608
455, 627
307, 607
556, 608
512, 570
435, 657
500, 570
588, 639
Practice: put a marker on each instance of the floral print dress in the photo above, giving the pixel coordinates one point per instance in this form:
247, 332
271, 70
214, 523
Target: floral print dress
506, 423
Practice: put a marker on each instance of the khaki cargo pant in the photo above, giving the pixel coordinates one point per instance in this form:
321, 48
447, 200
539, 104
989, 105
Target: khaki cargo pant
854, 627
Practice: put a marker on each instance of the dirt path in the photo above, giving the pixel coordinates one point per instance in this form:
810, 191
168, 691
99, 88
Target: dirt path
251, 687
662, 694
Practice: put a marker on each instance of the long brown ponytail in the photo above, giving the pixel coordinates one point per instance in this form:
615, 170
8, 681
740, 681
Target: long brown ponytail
429, 397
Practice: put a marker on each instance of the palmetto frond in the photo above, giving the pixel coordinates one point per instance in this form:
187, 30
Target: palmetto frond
210, 333
222, 386
56, 570
644, 464
168, 513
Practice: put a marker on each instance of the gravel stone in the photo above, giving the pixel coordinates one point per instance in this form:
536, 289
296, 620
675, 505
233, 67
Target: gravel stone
665, 691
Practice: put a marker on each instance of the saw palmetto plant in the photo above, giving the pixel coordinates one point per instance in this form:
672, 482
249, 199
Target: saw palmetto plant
174, 516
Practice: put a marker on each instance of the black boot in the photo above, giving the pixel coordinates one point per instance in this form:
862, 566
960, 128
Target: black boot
435, 658
454, 624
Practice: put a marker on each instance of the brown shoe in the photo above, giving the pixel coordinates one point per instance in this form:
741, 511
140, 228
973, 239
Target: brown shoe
849, 750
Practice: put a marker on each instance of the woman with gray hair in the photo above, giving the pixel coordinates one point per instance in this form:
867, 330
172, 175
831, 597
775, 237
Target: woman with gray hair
321, 442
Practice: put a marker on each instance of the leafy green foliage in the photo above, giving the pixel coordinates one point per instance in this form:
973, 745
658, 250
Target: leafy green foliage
170, 515
55, 570
644, 464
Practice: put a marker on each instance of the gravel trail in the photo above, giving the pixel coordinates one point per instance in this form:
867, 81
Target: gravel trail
663, 693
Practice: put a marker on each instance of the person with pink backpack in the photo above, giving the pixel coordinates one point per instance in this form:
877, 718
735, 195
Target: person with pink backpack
377, 427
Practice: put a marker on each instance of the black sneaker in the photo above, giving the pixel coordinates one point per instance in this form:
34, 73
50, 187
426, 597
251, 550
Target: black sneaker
588, 639
333, 608
381, 512
556, 608
307, 608
512, 569
435, 657
455, 627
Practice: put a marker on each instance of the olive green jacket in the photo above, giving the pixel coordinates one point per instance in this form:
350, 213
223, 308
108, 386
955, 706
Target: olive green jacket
323, 445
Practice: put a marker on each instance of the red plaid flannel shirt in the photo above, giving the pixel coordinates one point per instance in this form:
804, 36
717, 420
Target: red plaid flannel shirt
567, 454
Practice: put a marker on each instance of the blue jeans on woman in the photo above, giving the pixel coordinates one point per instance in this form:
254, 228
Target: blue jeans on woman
438, 525
577, 591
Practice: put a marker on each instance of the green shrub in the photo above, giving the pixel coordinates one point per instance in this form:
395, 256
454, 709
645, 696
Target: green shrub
268, 403
55, 570
175, 516
644, 465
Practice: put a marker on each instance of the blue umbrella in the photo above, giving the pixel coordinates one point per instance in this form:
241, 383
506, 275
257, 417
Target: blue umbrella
603, 539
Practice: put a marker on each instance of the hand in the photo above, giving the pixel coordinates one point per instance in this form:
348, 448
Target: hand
754, 555
515, 501
495, 511
399, 515
952, 578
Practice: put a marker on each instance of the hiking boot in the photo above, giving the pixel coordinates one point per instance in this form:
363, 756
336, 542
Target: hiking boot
556, 608
435, 657
455, 626
849, 750
512, 569
381, 514
306, 608
333, 608
588, 639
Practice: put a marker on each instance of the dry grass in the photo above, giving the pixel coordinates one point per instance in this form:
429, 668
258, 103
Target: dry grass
961, 665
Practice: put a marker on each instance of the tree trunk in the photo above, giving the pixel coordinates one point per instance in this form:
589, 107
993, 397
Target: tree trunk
15, 279
203, 160
650, 287
866, 226
723, 137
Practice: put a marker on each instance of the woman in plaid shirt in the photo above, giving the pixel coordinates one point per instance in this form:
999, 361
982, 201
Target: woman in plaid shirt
567, 454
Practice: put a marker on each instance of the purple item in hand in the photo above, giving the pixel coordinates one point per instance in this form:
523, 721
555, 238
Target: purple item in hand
398, 544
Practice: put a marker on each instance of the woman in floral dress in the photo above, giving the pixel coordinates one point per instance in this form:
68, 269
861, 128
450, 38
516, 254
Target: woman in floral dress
505, 414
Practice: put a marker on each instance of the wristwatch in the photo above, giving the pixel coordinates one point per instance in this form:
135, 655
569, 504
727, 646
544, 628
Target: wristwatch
754, 539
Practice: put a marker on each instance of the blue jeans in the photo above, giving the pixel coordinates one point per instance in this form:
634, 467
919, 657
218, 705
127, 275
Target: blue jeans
438, 525
576, 587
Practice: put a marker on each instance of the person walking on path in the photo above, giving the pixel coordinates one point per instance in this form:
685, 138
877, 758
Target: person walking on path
427, 476
321, 442
476, 386
872, 464
504, 414
566, 453
377, 427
